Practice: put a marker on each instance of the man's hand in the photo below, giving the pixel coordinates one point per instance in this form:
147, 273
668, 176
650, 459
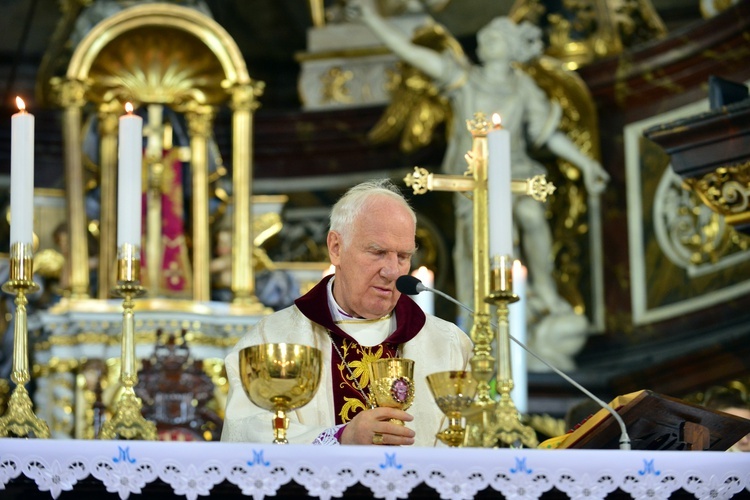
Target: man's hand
373, 427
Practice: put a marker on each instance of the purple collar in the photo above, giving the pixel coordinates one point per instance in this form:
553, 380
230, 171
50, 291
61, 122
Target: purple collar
314, 305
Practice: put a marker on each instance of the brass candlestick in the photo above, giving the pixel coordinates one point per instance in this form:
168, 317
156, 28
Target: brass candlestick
128, 422
19, 419
506, 427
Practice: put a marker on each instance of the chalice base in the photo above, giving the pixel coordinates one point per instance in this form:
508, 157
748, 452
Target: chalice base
452, 437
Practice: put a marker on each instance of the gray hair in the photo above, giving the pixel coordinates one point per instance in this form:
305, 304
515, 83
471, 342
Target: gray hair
349, 207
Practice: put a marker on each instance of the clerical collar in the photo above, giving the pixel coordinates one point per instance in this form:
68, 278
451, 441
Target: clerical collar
367, 332
314, 306
340, 316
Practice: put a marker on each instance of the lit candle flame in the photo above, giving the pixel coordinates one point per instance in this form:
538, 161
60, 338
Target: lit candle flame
496, 120
129, 108
21, 105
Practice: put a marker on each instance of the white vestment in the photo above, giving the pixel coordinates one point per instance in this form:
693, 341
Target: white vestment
439, 346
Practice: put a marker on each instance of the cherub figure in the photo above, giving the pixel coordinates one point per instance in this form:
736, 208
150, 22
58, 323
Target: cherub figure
497, 85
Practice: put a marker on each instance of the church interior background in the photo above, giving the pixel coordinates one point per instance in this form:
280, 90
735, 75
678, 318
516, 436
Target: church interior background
260, 114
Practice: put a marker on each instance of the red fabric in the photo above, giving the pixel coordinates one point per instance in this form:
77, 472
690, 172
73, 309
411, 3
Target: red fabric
174, 266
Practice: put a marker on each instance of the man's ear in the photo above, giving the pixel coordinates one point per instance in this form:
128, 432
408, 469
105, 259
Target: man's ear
334, 247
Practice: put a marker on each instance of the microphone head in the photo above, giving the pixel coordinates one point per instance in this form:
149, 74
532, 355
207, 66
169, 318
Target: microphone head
408, 284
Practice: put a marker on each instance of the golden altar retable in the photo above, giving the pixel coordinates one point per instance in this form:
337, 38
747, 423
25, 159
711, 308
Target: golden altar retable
161, 58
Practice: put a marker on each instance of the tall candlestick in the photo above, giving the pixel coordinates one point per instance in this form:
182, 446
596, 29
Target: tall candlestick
517, 320
129, 156
500, 204
425, 300
21, 175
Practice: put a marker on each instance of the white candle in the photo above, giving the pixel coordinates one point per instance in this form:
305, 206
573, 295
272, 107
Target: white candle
129, 156
517, 321
499, 191
425, 300
21, 175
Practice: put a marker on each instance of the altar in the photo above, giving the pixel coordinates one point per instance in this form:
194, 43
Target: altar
77, 356
129, 469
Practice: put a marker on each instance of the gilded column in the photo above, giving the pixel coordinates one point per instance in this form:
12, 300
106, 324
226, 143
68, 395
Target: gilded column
108, 124
243, 104
200, 120
71, 95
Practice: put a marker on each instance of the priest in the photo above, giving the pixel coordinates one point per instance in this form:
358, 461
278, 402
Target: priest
356, 316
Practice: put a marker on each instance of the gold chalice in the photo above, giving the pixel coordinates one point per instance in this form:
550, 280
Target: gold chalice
453, 392
280, 378
392, 383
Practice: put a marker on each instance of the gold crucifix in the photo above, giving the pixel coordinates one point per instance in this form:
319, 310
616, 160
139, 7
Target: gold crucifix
490, 423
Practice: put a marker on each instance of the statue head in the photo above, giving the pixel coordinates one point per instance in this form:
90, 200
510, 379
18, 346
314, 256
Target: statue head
502, 37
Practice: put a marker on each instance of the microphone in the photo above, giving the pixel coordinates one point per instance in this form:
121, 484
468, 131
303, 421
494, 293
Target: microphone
410, 285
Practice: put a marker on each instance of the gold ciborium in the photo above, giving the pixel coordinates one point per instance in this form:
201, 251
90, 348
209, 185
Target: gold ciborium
392, 383
453, 392
280, 378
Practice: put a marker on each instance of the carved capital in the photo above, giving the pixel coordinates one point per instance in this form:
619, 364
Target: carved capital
200, 119
108, 120
69, 93
245, 97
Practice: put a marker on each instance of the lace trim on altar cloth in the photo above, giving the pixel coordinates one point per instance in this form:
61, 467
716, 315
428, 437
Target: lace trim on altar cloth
330, 436
258, 471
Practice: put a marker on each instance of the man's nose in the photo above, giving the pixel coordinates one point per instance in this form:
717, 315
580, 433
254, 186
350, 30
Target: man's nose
390, 268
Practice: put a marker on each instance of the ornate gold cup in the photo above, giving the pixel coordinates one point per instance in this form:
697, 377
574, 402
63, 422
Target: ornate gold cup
453, 392
392, 383
280, 378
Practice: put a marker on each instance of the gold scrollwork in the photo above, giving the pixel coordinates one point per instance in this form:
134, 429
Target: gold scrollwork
334, 85
726, 190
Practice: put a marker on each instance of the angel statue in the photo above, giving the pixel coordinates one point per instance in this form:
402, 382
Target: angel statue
499, 85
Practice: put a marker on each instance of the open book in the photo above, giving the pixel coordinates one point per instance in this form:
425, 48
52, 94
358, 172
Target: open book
658, 422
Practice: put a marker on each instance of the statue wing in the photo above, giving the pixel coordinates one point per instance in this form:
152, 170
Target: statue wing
417, 107
565, 87
568, 206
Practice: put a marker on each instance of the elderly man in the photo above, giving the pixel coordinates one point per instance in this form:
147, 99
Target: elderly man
356, 316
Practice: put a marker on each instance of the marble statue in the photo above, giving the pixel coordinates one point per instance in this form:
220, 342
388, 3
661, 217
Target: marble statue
496, 85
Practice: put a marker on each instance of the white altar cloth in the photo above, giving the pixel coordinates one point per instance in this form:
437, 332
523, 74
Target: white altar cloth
259, 470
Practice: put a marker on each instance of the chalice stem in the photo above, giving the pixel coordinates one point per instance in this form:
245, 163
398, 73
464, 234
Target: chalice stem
455, 423
280, 426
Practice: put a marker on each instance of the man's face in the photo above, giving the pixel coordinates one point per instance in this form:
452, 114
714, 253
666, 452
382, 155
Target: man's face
379, 250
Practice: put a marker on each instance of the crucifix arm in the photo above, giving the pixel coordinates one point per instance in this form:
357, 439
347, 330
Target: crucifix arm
422, 181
